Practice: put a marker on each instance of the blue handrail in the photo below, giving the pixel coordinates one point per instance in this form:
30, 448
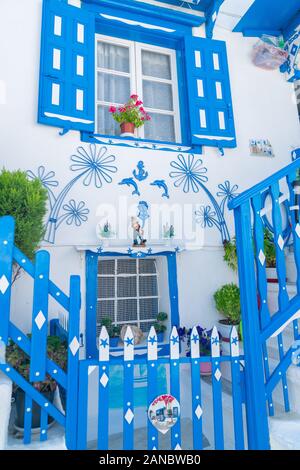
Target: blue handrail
263, 185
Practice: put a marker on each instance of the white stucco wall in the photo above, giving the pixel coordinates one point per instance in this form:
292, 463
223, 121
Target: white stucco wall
263, 107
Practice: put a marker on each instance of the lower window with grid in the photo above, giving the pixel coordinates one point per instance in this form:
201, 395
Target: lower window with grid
127, 292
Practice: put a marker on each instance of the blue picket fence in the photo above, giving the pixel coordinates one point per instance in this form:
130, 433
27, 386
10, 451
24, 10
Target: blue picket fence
75, 380
128, 361
273, 203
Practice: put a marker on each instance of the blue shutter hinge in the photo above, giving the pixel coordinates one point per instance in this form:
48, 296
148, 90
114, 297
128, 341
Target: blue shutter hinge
64, 131
221, 150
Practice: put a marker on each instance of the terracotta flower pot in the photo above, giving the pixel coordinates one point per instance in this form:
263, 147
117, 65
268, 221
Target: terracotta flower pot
127, 129
205, 368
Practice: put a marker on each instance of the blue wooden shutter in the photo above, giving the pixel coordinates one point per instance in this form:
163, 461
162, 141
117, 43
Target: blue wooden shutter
210, 104
67, 70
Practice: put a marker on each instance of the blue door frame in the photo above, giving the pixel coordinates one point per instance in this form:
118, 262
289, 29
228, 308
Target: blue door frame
91, 292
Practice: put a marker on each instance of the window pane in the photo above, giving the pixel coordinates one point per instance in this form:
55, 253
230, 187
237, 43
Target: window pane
147, 266
106, 287
161, 127
157, 95
105, 308
127, 310
156, 65
127, 286
112, 88
105, 123
147, 286
113, 57
106, 266
126, 266
148, 308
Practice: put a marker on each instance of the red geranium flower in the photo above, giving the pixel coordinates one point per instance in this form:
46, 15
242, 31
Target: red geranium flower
112, 109
134, 97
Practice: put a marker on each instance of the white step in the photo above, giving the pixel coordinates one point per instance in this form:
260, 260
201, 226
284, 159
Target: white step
285, 432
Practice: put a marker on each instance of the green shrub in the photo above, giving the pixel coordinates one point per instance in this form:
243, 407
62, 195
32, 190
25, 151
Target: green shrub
25, 200
159, 325
113, 331
227, 300
230, 255
269, 249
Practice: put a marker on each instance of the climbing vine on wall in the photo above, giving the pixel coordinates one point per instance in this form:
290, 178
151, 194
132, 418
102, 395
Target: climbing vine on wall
190, 175
93, 166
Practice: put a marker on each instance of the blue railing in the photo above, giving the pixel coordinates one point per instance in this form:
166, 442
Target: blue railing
277, 195
36, 347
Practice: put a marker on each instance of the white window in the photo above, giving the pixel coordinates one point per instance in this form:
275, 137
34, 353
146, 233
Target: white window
127, 67
127, 292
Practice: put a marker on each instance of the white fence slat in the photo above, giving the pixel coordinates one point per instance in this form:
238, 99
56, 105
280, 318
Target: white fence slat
152, 345
215, 343
195, 343
174, 343
103, 345
128, 345
234, 343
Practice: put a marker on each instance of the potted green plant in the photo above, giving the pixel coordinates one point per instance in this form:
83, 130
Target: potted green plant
57, 350
270, 254
112, 330
227, 300
21, 363
230, 254
160, 326
26, 201
130, 116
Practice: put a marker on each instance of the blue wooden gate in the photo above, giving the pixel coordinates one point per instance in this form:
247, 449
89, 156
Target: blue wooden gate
267, 205
35, 346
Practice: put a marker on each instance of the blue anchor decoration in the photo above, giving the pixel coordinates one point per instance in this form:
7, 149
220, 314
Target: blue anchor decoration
141, 174
161, 184
130, 182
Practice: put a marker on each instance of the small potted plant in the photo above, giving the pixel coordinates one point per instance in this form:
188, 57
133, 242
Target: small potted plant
227, 300
270, 254
112, 330
160, 326
21, 363
130, 116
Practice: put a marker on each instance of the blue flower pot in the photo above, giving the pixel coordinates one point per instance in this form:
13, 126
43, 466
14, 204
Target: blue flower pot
113, 342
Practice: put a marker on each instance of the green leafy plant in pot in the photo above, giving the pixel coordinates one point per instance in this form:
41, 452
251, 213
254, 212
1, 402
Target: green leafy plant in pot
26, 201
21, 363
160, 326
112, 330
227, 300
270, 254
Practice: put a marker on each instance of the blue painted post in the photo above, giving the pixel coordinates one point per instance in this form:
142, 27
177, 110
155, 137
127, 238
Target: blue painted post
283, 298
173, 289
152, 385
128, 390
103, 398
217, 390
236, 390
39, 318
175, 385
44, 426
7, 233
196, 390
91, 305
82, 405
27, 419
73, 364
262, 285
257, 420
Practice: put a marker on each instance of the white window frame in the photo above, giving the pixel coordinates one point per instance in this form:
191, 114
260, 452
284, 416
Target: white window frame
136, 79
117, 275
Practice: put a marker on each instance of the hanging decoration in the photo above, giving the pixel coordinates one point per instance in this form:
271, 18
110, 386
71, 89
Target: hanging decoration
164, 413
